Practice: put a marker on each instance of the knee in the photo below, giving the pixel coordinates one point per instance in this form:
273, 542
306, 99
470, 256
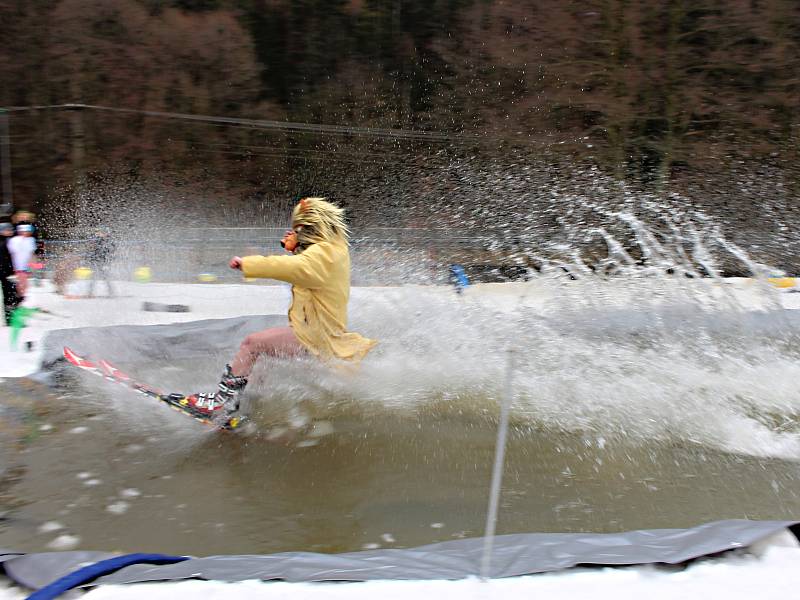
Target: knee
249, 344
256, 343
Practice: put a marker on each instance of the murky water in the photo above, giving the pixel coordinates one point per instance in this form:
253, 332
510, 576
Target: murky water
357, 475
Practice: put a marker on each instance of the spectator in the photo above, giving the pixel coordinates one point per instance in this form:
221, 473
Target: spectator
24, 217
22, 246
10, 298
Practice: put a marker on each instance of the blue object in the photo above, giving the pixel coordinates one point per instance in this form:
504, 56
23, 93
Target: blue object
103, 567
458, 277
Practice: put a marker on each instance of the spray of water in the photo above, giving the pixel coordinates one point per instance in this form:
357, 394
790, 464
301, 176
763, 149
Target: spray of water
627, 330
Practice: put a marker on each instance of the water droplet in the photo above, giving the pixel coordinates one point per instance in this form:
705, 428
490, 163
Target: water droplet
64, 542
371, 546
118, 508
50, 526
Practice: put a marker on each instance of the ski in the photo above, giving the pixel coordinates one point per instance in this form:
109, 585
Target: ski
176, 401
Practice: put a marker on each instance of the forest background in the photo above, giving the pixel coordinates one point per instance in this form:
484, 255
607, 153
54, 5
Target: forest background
522, 101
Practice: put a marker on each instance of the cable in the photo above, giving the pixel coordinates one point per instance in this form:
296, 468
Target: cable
304, 151
433, 136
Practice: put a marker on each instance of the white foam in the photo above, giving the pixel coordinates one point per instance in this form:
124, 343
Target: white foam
118, 508
370, 546
64, 541
50, 526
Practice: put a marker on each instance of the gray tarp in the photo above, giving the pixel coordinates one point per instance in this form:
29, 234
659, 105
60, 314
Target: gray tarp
513, 555
133, 344
138, 343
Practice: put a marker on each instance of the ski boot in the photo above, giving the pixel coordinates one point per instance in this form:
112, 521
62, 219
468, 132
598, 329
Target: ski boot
221, 406
230, 388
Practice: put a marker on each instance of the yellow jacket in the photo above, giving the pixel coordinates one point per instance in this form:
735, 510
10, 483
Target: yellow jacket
320, 278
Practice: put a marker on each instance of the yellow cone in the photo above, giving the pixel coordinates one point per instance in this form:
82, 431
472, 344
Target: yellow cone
783, 282
142, 274
82, 273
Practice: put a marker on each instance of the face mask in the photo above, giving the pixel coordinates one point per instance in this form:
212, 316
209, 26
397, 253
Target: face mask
289, 241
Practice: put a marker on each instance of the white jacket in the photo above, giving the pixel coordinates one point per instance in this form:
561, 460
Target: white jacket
21, 249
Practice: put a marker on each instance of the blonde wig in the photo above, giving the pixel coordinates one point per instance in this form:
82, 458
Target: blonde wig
321, 221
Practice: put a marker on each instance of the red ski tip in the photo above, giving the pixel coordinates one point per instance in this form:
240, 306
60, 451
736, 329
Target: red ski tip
78, 360
111, 371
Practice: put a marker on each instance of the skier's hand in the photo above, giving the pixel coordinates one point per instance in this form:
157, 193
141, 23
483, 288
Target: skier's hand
236, 262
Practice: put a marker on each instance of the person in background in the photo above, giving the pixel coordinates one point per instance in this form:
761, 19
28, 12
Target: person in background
23, 217
35, 265
22, 246
101, 251
7, 284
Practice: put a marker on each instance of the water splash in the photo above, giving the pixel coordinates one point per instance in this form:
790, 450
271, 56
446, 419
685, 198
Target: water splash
627, 328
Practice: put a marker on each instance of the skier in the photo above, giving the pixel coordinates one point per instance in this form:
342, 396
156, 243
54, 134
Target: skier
10, 298
22, 246
319, 271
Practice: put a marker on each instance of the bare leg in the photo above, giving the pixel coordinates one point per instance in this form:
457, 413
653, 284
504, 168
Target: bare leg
276, 341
